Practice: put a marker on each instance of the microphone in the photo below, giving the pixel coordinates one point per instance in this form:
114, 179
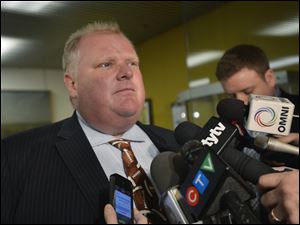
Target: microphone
234, 111
216, 134
268, 114
200, 184
208, 182
273, 144
249, 168
230, 109
168, 171
220, 181
186, 131
173, 167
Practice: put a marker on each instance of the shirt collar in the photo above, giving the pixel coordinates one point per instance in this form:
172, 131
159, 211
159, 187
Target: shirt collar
95, 137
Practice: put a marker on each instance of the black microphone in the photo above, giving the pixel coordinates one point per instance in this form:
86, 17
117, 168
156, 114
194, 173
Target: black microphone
213, 140
209, 209
249, 168
232, 110
168, 170
235, 112
208, 181
216, 134
186, 131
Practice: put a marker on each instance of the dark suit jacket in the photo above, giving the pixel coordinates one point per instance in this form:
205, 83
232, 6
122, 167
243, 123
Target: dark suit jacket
52, 175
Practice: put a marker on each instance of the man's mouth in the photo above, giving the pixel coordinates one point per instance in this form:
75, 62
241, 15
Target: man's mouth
125, 90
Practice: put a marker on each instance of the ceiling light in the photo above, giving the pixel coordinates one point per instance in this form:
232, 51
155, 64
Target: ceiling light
7, 44
183, 115
11, 46
196, 115
203, 57
199, 82
284, 28
31, 7
284, 61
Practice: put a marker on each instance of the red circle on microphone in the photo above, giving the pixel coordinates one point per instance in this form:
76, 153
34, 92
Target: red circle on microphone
192, 196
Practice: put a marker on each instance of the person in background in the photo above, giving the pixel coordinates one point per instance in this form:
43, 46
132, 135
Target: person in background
59, 173
244, 70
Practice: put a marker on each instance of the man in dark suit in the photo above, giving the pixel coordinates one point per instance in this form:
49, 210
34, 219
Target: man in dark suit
244, 70
59, 173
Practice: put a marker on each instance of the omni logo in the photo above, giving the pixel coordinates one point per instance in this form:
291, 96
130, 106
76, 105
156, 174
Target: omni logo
265, 117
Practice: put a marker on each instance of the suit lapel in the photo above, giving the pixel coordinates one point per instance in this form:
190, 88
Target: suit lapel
163, 139
82, 162
80, 159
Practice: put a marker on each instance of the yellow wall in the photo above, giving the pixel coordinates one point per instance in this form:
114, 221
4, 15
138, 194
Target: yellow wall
238, 23
165, 73
163, 58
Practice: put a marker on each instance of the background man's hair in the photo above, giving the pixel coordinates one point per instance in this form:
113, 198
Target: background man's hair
240, 57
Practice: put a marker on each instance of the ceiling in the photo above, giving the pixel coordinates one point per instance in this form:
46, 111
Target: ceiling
43, 33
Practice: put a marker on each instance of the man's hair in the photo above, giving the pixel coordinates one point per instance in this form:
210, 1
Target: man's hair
71, 52
240, 57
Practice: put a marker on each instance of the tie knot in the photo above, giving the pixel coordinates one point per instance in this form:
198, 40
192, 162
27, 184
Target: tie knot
120, 144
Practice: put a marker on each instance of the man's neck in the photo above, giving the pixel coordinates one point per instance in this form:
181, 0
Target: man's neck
116, 132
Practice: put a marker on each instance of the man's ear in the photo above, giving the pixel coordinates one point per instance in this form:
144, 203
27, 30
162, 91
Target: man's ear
270, 78
70, 84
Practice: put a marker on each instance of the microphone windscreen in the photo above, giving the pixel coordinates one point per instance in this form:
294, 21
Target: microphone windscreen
250, 169
231, 109
167, 170
186, 131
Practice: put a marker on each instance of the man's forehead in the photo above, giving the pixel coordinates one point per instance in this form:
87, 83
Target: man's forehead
107, 42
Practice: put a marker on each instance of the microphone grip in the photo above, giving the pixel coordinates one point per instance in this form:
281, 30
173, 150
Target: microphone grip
173, 205
250, 169
274, 144
278, 146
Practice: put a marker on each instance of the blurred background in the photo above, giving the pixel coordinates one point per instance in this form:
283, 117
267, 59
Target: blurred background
179, 44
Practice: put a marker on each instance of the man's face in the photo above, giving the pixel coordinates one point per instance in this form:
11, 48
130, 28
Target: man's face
246, 82
109, 86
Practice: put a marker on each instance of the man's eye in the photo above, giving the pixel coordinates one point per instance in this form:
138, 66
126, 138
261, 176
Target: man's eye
134, 64
105, 65
248, 92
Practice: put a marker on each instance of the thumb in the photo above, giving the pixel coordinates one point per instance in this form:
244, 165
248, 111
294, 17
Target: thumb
139, 217
110, 214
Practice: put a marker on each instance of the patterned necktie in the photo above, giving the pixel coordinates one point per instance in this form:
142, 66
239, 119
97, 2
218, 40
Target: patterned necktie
144, 194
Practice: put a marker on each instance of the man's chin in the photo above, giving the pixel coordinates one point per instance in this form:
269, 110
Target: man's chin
129, 109
128, 113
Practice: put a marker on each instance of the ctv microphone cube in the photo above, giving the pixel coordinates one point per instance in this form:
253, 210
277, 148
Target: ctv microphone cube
270, 114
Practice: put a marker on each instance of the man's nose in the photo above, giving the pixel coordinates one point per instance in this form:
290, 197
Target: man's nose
243, 97
125, 72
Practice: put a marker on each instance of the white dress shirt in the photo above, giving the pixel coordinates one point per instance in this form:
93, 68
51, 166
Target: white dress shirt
110, 157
